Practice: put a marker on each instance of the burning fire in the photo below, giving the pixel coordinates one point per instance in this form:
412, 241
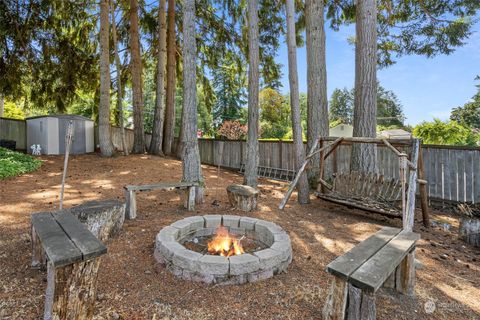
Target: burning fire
224, 244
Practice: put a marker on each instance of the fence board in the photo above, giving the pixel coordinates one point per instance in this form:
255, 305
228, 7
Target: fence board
16, 130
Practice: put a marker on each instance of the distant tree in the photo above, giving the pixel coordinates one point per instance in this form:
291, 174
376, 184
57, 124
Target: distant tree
427, 28
159, 115
105, 140
12, 111
341, 106
389, 108
317, 99
444, 133
169, 128
192, 170
302, 186
251, 164
274, 114
364, 156
229, 83
469, 113
137, 82
120, 84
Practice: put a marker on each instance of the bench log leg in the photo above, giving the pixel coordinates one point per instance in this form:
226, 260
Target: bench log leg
131, 205
354, 302
368, 309
71, 291
39, 259
190, 199
390, 282
405, 275
336, 303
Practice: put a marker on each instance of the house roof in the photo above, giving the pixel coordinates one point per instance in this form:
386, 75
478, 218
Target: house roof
62, 116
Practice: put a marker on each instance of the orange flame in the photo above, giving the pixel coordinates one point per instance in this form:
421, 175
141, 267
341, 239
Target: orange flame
224, 244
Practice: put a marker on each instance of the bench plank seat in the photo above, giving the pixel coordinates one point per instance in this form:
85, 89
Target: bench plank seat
359, 273
346, 264
59, 249
78, 233
162, 186
373, 273
131, 201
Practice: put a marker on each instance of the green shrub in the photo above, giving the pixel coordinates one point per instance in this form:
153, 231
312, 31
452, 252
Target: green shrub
15, 163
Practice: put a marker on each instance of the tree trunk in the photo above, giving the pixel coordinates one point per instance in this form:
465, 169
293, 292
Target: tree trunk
2, 103
364, 156
317, 100
136, 69
171, 85
118, 66
157, 132
192, 170
105, 140
251, 165
303, 189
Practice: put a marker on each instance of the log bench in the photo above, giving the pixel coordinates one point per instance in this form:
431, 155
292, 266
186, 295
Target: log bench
242, 197
71, 253
386, 258
131, 202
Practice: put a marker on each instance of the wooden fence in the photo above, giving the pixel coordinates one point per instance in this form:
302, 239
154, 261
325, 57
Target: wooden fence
453, 173
11, 129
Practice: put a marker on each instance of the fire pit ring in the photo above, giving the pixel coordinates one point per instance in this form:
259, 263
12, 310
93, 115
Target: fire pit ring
236, 269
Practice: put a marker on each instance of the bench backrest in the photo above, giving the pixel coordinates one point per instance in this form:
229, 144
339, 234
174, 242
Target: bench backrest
65, 239
368, 264
367, 185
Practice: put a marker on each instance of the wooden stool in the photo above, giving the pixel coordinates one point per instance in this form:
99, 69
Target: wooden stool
71, 253
242, 197
386, 258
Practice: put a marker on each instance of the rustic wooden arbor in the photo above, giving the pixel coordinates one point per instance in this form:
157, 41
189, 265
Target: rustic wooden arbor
369, 191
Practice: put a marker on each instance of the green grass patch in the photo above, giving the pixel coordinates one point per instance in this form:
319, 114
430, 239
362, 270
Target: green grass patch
14, 163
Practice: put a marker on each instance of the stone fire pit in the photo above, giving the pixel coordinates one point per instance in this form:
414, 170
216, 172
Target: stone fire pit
236, 269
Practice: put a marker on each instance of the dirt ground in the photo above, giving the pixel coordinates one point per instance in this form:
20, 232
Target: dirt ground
132, 286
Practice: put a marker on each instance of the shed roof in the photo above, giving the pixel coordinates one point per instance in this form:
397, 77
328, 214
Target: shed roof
62, 116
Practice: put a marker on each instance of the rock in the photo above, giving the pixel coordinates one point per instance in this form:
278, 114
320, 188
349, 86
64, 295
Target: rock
444, 256
115, 316
101, 296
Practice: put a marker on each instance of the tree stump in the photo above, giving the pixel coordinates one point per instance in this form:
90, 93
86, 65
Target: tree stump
103, 218
469, 230
71, 290
242, 197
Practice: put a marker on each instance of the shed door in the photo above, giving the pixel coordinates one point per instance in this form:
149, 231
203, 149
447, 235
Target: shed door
78, 141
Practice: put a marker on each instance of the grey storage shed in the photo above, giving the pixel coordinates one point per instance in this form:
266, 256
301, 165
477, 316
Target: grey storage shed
49, 132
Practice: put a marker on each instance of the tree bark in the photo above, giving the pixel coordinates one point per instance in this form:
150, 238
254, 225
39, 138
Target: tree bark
136, 69
302, 187
364, 156
105, 140
251, 165
157, 132
317, 100
192, 170
169, 128
118, 66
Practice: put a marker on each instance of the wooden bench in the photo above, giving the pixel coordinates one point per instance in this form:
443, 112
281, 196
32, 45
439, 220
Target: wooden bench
131, 202
386, 258
70, 252
242, 197
366, 191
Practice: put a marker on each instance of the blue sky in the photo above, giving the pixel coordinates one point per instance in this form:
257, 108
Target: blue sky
427, 88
